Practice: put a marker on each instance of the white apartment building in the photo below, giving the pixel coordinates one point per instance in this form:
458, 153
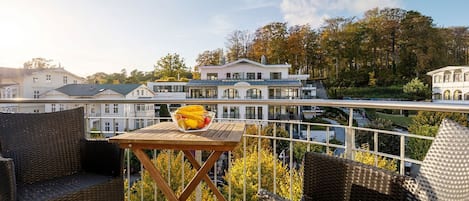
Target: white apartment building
246, 79
450, 84
110, 118
30, 83
168, 90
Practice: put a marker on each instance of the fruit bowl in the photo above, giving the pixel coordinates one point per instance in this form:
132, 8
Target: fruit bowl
192, 123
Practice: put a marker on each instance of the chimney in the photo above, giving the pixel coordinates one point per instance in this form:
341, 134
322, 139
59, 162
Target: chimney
263, 60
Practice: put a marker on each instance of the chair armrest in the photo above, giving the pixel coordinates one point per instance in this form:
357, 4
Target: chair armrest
7, 178
102, 157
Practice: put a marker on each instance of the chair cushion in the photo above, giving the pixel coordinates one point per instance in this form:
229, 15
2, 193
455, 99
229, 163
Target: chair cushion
444, 174
74, 187
44, 145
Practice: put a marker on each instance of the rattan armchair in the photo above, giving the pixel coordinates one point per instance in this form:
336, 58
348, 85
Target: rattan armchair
444, 174
45, 156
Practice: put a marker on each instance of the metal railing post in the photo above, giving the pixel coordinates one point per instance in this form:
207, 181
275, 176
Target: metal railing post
349, 137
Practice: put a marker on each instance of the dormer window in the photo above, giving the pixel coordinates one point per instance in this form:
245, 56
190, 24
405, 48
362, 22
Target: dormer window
275, 75
251, 76
236, 76
212, 76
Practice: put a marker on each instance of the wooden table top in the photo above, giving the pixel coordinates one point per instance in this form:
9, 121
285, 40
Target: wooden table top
222, 136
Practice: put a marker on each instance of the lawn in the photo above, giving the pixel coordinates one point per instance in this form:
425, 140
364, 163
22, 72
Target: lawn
399, 120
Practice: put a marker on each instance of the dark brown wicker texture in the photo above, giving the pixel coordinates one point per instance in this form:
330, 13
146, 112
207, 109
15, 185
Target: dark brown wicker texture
46, 157
333, 178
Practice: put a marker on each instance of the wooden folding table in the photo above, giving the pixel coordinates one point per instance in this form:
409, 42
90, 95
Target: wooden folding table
220, 137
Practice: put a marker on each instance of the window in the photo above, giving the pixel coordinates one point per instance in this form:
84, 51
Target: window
35, 79
259, 112
275, 76
116, 127
254, 93
36, 111
61, 107
52, 109
65, 79
116, 108
230, 93
212, 76
251, 76
250, 112
106, 108
35, 94
107, 126
75, 82
234, 112
48, 78
259, 76
446, 95
228, 76
457, 95
236, 76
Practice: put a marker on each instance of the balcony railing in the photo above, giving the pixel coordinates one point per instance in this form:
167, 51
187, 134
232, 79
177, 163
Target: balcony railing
295, 135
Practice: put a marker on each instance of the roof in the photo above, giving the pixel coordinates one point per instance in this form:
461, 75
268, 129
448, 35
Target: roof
448, 68
248, 61
193, 83
7, 72
93, 89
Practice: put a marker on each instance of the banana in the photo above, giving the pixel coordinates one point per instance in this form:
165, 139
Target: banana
192, 108
192, 115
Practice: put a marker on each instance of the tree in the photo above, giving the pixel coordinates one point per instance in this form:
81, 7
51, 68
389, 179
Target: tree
416, 89
237, 177
372, 159
39, 63
239, 45
427, 124
164, 161
171, 65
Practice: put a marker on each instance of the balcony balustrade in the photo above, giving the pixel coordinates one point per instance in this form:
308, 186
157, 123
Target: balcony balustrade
296, 135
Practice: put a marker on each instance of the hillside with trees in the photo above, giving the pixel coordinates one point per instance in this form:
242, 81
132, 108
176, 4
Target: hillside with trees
385, 47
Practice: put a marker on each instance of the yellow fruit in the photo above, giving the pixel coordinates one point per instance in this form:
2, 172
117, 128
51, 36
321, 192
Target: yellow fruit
192, 115
182, 124
192, 108
200, 124
191, 123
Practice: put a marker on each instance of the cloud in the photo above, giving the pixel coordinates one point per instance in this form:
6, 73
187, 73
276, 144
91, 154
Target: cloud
314, 12
258, 4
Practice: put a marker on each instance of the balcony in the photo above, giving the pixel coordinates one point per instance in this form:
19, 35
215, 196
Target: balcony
241, 173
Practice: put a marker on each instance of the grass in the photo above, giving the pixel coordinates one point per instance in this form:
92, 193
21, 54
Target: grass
391, 92
398, 120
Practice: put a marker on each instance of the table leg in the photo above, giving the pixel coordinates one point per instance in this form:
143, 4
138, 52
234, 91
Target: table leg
200, 174
155, 174
207, 179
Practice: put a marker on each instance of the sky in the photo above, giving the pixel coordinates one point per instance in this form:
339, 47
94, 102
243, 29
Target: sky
89, 36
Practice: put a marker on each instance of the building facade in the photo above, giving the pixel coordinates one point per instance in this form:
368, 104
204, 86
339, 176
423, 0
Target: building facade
450, 84
110, 118
246, 79
31, 83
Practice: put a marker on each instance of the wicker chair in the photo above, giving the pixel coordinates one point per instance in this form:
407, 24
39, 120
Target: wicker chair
444, 174
46, 157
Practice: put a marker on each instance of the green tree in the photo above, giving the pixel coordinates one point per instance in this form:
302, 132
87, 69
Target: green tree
427, 124
39, 63
171, 65
165, 161
416, 89
164, 111
237, 177
372, 159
